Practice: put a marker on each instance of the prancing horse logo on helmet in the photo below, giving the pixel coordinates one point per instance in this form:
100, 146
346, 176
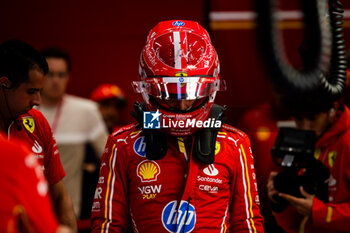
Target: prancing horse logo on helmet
181, 75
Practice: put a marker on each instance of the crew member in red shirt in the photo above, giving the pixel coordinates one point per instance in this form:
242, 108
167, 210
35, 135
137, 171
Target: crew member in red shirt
25, 204
331, 123
22, 71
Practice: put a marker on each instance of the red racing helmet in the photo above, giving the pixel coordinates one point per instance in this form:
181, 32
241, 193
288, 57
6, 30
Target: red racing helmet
107, 91
179, 62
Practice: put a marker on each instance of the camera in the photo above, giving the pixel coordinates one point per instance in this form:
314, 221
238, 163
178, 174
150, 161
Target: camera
293, 151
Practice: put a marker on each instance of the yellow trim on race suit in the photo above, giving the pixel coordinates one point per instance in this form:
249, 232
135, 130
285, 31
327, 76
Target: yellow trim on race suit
181, 144
302, 224
108, 188
248, 185
329, 214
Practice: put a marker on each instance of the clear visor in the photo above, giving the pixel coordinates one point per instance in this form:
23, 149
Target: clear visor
179, 88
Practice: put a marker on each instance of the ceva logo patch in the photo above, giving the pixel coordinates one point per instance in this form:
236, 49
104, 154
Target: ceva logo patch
182, 219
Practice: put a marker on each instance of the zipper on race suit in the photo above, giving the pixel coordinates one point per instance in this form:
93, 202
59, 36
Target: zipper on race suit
188, 207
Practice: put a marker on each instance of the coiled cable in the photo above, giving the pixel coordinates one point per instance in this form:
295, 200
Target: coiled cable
324, 74
336, 81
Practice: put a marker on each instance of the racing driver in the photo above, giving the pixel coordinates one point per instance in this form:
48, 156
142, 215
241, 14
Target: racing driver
179, 168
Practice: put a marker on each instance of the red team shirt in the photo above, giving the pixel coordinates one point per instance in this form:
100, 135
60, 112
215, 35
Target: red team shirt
33, 128
173, 194
24, 189
333, 149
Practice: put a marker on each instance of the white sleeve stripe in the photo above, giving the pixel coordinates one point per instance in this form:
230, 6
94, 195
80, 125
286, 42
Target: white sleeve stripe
245, 190
112, 191
223, 222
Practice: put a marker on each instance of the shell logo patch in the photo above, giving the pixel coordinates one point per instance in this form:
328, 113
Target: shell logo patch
29, 124
217, 147
148, 171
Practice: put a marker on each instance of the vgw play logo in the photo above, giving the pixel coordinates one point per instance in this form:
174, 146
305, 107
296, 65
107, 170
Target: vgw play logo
153, 120
182, 219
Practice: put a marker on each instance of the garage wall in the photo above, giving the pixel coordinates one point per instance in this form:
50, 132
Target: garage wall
104, 39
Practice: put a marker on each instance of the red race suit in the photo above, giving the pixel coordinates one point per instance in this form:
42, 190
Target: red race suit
333, 149
33, 128
24, 190
176, 193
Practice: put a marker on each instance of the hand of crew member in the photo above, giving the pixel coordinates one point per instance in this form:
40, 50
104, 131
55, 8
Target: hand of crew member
302, 205
271, 191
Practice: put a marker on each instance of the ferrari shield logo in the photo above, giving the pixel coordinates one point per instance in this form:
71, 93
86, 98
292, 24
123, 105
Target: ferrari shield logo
217, 147
181, 74
331, 158
29, 124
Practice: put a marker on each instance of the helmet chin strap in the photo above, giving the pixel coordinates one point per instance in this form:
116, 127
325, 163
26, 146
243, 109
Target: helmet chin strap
204, 139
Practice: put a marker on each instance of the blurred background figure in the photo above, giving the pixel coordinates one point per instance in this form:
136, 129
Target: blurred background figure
22, 75
312, 192
262, 123
346, 95
320, 206
112, 102
25, 203
75, 122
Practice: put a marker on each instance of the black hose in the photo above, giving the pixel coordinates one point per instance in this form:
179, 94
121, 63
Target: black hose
336, 81
324, 57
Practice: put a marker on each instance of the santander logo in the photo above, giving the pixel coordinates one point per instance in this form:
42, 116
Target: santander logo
37, 148
211, 170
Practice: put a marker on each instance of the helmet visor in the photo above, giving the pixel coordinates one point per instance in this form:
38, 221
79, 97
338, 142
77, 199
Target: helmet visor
179, 88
